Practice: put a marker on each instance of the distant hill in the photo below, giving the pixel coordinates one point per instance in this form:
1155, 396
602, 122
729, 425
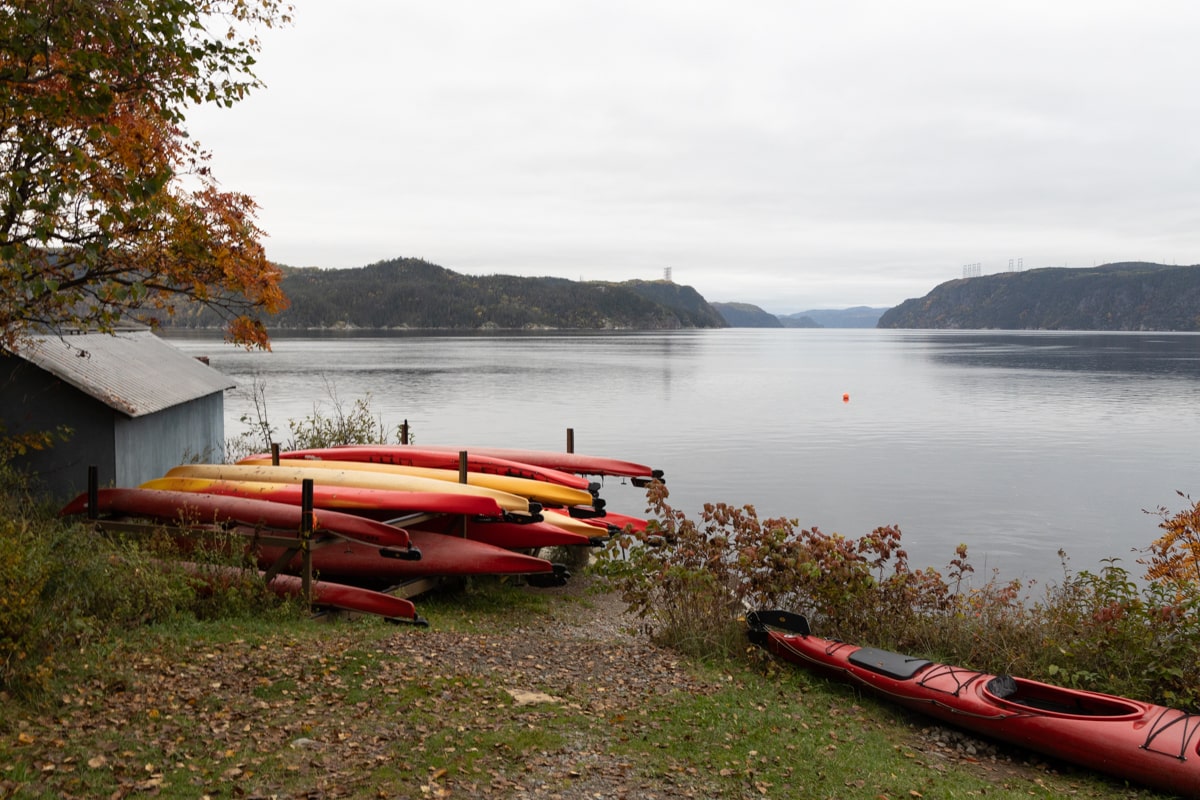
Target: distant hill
856, 317
412, 293
1129, 296
745, 315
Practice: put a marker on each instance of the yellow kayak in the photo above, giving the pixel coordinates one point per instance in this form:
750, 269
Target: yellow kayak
344, 477
372, 502
540, 491
572, 525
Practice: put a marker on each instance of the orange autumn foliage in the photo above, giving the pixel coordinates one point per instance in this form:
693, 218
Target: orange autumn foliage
1174, 557
107, 210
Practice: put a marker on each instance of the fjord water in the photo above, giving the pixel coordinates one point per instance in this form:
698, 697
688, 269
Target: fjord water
1016, 444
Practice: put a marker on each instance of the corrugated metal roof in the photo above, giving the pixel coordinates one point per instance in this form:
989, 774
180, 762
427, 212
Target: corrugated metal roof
133, 372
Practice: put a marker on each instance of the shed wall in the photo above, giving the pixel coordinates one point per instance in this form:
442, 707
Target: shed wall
146, 447
32, 400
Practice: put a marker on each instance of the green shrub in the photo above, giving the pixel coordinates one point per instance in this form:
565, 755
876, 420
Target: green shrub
690, 580
355, 425
1103, 631
327, 426
64, 585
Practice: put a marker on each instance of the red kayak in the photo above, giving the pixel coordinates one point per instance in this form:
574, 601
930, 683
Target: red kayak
509, 535
441, 555
358, 500
202, 509
1142, 742
324, 593
407, 455
564, 462
611, 522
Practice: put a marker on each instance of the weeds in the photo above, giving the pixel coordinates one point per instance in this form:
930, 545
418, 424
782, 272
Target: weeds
690, 579
64, 586
327, 426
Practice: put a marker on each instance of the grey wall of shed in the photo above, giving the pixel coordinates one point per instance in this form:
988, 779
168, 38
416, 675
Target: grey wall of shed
146, 447
126, 451
32, 400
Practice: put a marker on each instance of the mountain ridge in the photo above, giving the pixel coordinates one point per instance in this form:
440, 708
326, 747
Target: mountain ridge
1123, 296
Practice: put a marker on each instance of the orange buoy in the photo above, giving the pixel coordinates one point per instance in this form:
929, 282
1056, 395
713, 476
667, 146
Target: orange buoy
846, 397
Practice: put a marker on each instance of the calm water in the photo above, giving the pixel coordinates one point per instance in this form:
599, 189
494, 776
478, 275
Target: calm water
1017, 444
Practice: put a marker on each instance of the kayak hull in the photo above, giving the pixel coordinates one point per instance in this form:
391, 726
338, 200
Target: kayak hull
509, 535
441, 556
380, 503
324, 593
324, 475
564, 462
551, 493
1137, 741
191, 508
412, 456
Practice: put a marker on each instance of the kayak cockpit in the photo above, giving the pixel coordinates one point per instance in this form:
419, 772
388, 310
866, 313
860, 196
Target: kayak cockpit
1007, 690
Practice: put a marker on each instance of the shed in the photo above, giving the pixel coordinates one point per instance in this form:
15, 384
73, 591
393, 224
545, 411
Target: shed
135, 404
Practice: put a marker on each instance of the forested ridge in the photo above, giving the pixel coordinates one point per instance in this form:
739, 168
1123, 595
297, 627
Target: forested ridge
1128, 296
415, 294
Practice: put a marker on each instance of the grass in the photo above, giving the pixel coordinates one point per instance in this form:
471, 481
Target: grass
119, 678
292, 707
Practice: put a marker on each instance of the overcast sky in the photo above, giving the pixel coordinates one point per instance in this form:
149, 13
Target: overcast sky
793, 154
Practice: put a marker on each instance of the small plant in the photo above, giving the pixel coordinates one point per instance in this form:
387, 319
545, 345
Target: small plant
325, 427
258, 433
357, 424
1175, 556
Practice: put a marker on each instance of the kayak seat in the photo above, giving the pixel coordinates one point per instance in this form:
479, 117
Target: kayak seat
1002, 686
893, 665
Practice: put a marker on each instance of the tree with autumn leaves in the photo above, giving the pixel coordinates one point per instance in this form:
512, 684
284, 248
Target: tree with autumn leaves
108, 210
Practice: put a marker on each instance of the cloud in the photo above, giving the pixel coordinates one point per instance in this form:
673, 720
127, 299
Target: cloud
808, 154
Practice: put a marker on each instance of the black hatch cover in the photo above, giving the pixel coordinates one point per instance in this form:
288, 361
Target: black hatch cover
894, 665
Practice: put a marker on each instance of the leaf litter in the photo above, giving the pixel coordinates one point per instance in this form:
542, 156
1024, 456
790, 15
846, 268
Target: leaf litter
534, 710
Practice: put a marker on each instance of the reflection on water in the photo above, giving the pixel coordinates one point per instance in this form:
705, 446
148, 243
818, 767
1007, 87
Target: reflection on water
1017, 444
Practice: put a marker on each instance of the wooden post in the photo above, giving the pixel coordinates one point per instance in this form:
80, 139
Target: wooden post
93, 491
570, 440
275, 454
462, 478
306, 529
404, 432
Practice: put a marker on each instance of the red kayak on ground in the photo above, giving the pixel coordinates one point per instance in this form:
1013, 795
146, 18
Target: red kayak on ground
324, 593
564, 462
441, 555
411, 456
192, 508
1142, 742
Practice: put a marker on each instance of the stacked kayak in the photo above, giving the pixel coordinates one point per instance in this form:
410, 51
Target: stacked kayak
334, 595
445, 458
491, 460
534, 490
397, 513
1137, 741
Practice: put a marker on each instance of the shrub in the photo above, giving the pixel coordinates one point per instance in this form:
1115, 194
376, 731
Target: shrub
690, 580
325, 427
64, 585
356, 425
1174, 557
